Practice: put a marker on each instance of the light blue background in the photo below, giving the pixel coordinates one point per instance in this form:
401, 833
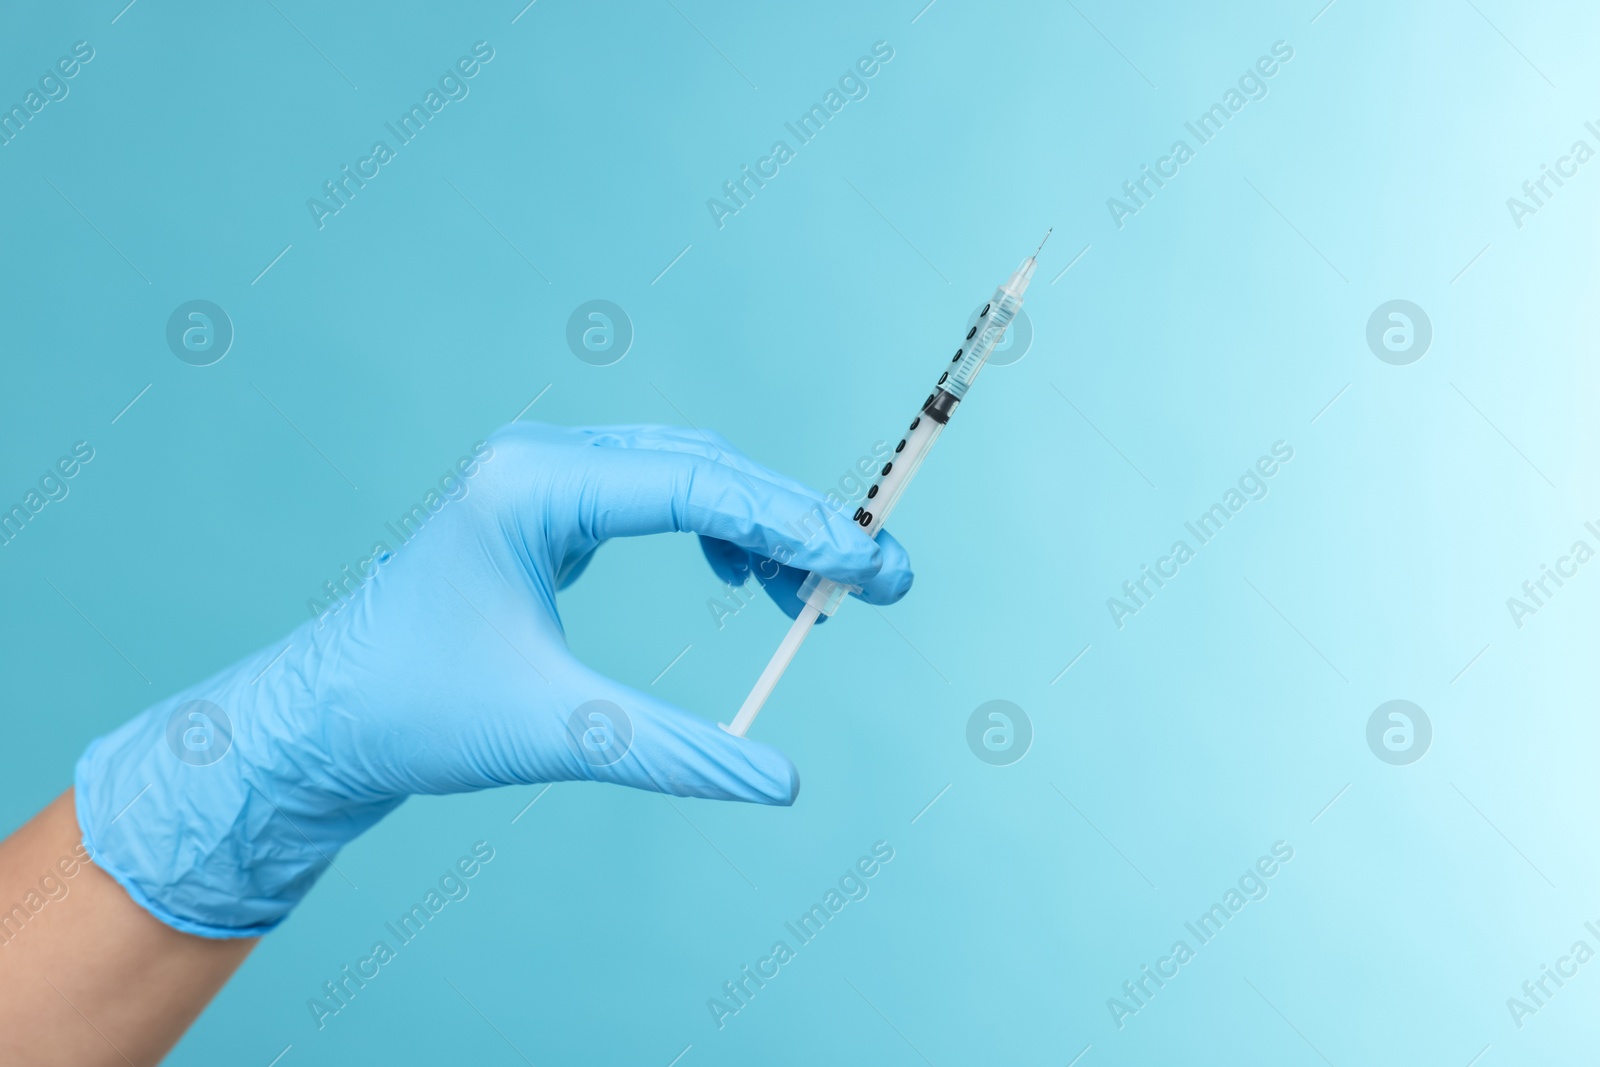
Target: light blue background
1175, 751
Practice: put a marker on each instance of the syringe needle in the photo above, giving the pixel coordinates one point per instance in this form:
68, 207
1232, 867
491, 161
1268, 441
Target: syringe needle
1042, 240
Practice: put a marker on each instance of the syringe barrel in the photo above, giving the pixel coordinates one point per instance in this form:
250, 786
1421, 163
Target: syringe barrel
822, 595
897, 473
825, 594
976, 347
980, 341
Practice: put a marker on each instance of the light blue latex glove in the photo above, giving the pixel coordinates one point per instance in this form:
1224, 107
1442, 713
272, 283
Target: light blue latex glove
450, 672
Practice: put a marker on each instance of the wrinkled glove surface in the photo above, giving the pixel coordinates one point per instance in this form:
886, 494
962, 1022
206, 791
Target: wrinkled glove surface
448, 671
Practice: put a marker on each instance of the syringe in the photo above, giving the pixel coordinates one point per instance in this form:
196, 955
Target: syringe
823, 595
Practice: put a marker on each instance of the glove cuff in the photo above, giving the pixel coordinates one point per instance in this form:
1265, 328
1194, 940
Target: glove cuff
176, 806
134, 884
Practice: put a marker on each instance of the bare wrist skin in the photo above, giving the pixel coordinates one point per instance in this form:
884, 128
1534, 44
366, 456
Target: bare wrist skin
87, 976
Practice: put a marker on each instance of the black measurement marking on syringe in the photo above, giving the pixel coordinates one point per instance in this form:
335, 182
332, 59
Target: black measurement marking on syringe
863, 516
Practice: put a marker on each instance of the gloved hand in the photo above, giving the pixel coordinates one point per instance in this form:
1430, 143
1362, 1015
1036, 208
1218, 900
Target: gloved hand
450, 672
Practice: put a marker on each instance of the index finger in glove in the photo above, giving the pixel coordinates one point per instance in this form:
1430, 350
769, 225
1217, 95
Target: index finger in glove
629, 492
